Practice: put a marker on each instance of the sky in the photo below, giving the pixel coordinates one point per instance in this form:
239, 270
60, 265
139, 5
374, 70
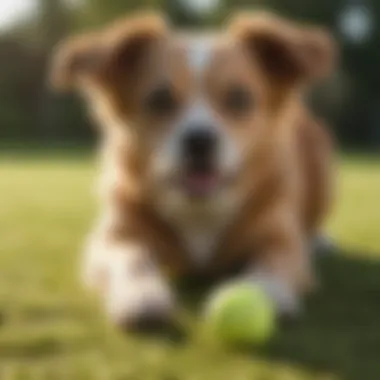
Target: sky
11, 10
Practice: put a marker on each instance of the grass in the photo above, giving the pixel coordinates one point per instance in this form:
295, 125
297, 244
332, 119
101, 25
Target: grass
50, 328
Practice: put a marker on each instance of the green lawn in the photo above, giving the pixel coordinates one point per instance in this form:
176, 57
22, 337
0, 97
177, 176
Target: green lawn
51, 329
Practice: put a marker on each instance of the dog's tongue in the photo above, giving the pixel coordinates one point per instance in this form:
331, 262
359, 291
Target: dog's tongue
201, 183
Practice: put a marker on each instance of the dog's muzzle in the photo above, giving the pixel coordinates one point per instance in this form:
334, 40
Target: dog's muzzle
199, 158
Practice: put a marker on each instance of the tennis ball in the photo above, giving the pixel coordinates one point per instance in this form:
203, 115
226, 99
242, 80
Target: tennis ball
241, 315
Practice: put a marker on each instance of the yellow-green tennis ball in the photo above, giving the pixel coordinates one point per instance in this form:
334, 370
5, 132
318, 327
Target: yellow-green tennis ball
241, 315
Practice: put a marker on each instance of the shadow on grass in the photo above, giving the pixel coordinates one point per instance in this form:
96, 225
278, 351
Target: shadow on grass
340, 331
341, 328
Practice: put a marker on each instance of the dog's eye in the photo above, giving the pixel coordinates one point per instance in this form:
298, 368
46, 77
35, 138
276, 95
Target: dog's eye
161, 101
238, 100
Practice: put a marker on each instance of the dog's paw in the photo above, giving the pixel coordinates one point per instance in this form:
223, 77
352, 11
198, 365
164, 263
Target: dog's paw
323, 244
286, 301
137, 296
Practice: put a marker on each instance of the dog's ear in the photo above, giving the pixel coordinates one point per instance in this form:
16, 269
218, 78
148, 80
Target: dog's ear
76, 58
285, 51
98, 56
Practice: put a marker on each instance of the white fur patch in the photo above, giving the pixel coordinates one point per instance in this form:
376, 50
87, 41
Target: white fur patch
198, 113
133, 286
200, 50
133, 293
200, 53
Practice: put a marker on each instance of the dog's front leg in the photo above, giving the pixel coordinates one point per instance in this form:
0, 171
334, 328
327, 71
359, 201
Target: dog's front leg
281, 264
134, 292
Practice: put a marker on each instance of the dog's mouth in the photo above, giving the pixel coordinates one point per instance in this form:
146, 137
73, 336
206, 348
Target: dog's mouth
201, 183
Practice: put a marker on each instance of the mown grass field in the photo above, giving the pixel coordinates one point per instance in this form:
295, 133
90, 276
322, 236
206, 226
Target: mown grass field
51, 329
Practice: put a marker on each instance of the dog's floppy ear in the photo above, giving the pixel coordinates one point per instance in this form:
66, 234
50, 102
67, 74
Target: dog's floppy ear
74, 58
284, 50
96, 56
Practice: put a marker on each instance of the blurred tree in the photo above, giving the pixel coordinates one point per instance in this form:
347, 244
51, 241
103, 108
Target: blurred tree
52, 26
20, 73
98, 12
53, 20
184, 13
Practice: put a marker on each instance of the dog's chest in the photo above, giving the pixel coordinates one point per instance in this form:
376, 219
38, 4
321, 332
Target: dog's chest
200, 228
201, 241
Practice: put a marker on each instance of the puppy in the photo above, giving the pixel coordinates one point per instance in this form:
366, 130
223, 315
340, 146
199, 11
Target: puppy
210, 158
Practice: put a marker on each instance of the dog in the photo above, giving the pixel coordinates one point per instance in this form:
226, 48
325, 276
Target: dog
210, 157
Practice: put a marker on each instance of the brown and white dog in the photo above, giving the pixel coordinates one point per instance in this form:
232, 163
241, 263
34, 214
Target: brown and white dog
211, 159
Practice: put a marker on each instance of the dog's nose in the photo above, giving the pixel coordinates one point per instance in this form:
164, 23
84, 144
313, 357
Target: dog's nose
199, 142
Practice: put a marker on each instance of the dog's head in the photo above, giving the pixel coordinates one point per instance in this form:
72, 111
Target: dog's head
197, 107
